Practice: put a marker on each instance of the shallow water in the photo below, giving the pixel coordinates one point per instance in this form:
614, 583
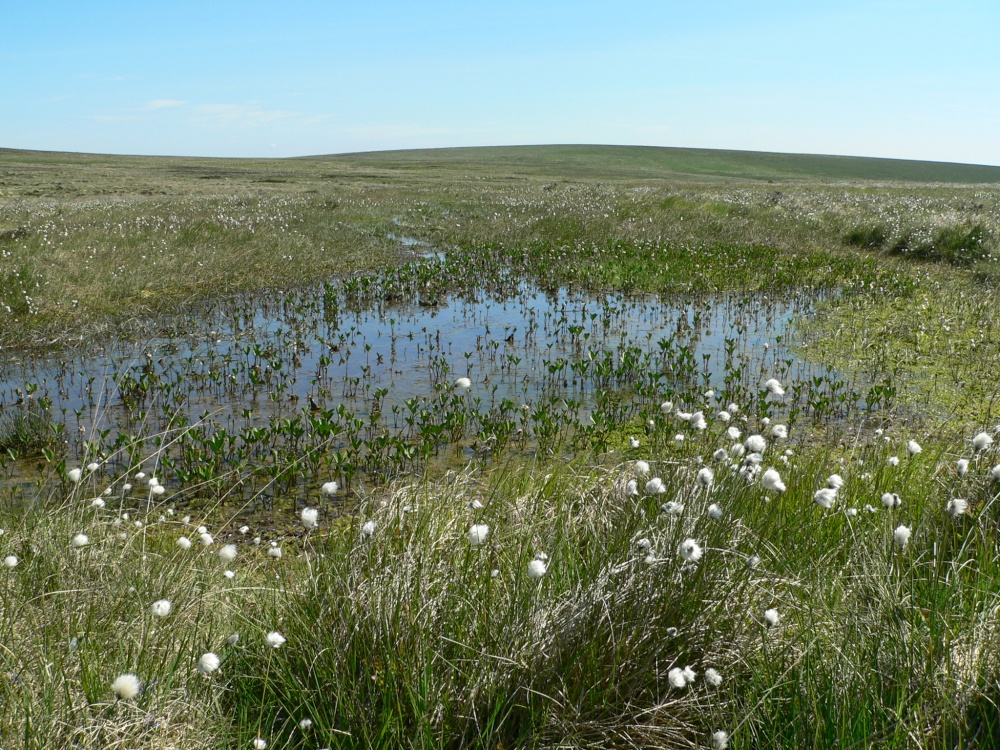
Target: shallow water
387, 367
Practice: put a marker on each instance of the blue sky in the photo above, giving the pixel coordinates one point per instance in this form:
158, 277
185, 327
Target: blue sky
906, 79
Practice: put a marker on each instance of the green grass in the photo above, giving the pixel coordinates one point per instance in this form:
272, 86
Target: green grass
410, 637
651, 163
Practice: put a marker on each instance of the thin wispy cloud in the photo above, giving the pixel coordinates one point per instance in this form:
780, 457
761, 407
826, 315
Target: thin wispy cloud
114, 118
165, 103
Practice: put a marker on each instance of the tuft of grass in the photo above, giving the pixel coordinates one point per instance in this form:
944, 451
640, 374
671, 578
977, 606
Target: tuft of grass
957, 245
867, 237
27, 431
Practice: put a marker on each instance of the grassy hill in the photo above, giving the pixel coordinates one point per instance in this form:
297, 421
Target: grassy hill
36, 173
647, 162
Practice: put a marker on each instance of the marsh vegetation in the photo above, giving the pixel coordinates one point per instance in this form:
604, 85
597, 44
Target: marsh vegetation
429, 451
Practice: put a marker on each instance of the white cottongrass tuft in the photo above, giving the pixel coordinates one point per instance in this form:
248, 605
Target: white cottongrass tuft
755, 444
957, 507
275, 639
705, 477
666, 407
689, 674
676, 678
259, 744
712, 677
309, 518
631, 488
208, 663
995, 473
698, 421
891, 500
893, 461
690, 550
720, 740
902, 536
982, 441
779, 431
229, 574
633, 442
206, 539
962, 467
913, 448
478, 533
97, 502
462, 385
367, 528
835, 481
641, 468
537, 568
274, 552
679, 439
733, 433
329, 488
771, 480
305, 724
672, 508
644, 544
723, 416
655, 486
161, 608
75, 475
10, 562
714, 511
157, 489
720, 454
771, 617
126, 687
825, 497
79, 540
184, 543
233, 639
228, 553
773, 386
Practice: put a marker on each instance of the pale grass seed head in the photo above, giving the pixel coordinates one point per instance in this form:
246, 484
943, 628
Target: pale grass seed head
537, 568
771, 480
902, 536
126, 686
690, 550
478, 533
309, 518
208, 663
